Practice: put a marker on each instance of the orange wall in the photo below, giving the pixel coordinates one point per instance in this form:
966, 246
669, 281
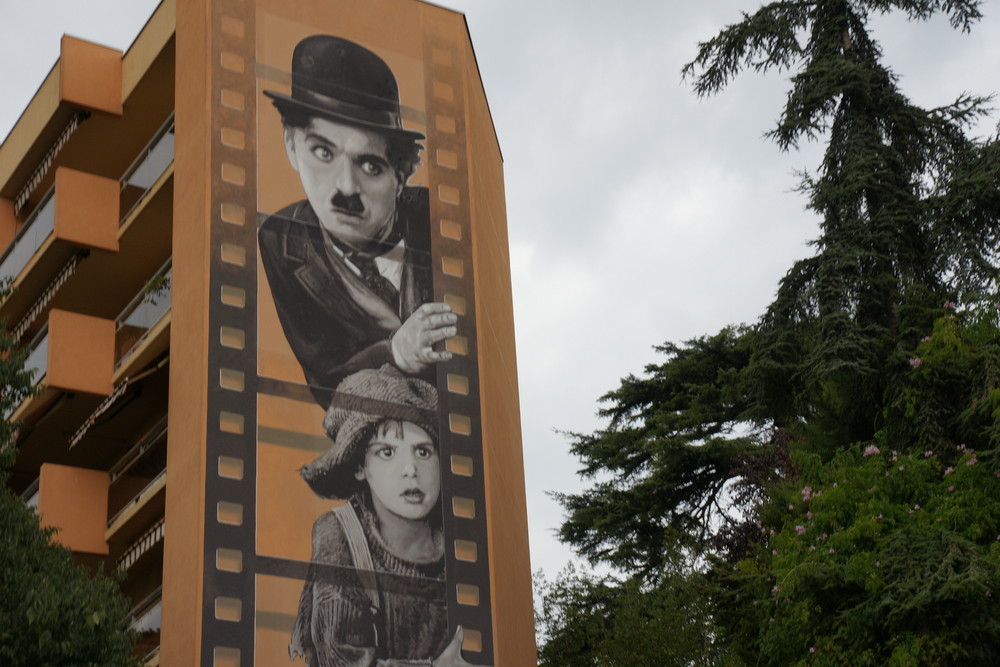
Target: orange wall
86, 209
90, 75
75, 501
513, 612
81, 353
8, 223
184, 523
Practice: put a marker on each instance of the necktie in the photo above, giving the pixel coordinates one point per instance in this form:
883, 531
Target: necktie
374, 280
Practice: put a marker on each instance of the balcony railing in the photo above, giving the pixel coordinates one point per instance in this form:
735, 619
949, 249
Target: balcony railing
37, 360
30, 237
145, 620
30, 495
142, 314
147, 168
138, 470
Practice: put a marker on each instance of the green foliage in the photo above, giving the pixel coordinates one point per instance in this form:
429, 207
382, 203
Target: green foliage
670, 448
591, 621
52, 612
879, 557
832, 470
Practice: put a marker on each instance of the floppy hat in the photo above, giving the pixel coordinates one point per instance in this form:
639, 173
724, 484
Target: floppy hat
365, 399
339, 80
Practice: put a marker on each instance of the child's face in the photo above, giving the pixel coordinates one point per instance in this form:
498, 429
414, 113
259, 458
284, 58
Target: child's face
402, 470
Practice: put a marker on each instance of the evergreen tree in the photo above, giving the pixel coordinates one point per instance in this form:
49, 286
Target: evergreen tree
52, 612
884, 340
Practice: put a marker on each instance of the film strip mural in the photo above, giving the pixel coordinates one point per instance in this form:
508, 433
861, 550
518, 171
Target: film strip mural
345, 501
465, 513
230, 508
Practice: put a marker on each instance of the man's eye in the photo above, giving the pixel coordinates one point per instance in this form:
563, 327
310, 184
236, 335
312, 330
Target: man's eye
322, 153
424, 453
371, 168
385, 453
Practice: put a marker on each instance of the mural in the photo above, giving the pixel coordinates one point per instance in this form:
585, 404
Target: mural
350, 542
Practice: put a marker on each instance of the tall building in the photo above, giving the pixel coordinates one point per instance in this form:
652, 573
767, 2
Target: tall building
260, 267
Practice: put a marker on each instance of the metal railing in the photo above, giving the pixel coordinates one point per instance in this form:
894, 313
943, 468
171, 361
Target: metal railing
151, 162
30, 237
30, 495
37, 361
145, 620
142, 314
138, 470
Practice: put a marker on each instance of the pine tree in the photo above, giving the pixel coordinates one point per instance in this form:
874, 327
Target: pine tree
885, 338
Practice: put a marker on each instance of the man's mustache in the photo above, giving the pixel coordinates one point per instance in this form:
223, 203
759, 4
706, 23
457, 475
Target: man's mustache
348, 203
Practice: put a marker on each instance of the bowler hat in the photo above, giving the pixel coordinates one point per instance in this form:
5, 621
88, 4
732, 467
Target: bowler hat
365, 399
337, 79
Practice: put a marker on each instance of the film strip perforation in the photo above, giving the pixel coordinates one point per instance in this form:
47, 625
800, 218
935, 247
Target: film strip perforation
227, 620
467, 562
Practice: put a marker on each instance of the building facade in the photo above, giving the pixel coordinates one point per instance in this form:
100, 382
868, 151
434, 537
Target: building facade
251, 257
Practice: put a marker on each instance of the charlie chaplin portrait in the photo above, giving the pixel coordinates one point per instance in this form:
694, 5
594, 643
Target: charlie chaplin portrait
375, 591
349, 266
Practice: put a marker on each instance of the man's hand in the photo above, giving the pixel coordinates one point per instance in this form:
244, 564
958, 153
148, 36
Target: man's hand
413, 343
451, 656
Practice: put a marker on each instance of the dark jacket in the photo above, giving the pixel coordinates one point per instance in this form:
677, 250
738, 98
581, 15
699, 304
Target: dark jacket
334, 323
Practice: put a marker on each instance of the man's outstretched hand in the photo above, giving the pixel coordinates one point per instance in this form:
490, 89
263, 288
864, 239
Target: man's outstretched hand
451, 656
413, 343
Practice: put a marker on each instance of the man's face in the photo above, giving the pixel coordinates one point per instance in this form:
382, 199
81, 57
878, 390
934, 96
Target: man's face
402, 470
347, 178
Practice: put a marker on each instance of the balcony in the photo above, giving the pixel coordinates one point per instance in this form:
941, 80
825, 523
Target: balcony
37, 361
147, 168
142, 314
30, 238
30, 495
138, 471
145, 620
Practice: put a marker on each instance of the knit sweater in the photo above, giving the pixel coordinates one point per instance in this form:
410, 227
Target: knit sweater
337, 625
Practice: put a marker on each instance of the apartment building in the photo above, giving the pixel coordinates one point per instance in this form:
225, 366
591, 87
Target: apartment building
173, 414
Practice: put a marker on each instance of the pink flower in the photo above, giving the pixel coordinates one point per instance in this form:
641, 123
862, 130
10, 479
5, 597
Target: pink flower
812, 649
812, 548
950, 489
928, 454
809, 515
915, 362
925, 339
832, 550
949, 470
971, 462
902, 468
916, 507
791, 508
870, 450
801, 530
806, 492
774, 552
775, 589
950, 305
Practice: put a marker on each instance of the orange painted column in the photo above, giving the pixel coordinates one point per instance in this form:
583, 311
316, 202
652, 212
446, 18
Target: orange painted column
184, 517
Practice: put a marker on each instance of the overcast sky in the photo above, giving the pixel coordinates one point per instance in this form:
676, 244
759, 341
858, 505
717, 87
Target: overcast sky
637, 213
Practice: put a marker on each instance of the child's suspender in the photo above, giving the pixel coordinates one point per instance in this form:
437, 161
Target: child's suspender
361, 555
